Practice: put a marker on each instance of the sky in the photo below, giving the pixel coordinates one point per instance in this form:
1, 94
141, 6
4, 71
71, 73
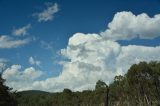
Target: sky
50, 45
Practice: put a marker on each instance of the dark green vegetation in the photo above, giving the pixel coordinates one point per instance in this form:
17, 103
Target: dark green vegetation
65, 98
140, 86
6, 97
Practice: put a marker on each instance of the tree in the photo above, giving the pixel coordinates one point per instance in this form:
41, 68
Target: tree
100, 85
102, 90
140, 86
144, 78
6, 97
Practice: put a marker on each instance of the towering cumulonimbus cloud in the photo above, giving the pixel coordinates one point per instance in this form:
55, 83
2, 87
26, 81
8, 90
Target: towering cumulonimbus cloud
90, 57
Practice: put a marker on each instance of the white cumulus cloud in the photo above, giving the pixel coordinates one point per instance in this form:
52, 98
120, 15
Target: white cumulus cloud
126, 25
21, 79
92, 58
48, 13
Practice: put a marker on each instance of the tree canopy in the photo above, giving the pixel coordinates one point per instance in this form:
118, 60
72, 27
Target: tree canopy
6, 97
140, 86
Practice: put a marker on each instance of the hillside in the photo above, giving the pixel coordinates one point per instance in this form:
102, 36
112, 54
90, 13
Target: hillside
139, 87
33, 92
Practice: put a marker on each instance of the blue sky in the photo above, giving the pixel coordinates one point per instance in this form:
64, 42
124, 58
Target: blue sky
48, 37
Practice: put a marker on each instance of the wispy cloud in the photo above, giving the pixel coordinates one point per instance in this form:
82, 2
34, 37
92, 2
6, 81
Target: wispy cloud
46, 45
21, 31
47, 14
32, 61
3, 63
9, 42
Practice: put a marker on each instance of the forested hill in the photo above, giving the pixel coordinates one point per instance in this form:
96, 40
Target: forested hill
33, 92
140, 86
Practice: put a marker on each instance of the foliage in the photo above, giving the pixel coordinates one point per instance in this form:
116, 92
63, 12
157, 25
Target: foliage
6, 97
140, 86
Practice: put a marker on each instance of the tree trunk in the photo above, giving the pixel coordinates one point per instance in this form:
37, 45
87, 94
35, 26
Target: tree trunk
107, 98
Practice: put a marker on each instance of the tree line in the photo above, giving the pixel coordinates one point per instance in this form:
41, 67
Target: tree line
140, 86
